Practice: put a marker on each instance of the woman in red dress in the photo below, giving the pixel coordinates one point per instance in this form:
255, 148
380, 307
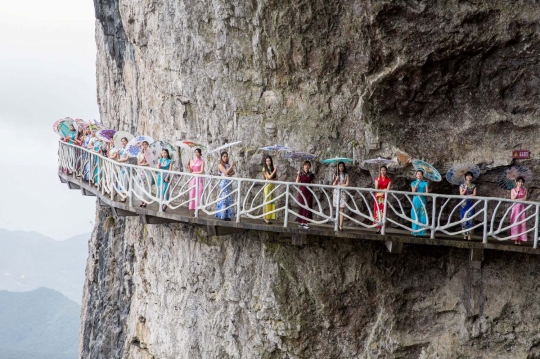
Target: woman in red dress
305, 197
381, 182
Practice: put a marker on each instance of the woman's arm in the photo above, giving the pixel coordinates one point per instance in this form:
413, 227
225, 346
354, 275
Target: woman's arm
474, 192
389, 184
376, 184
462, 191
526, 195
346, 184
228, 172
427, 188
512, 194
298, 177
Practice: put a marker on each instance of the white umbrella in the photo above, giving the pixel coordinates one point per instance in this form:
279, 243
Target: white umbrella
227, 145
117, 138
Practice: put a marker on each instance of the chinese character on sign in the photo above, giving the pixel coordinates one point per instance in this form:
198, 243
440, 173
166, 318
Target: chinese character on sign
521, 154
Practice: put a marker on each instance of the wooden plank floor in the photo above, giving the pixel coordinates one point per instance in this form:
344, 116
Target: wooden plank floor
183, 214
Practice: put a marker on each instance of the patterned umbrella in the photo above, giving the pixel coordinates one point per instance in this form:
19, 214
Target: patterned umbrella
117, 138
227, 145
189, 144
507, 179
378, 161
455, 175
56, 126
138, 140
105, 135
81, 123
161, 145
276, 148
337, 160
133, 150
297, 155
63, 128
430, 172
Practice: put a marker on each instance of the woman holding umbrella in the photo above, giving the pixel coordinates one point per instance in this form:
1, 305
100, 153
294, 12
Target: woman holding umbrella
143, 178
305, 197
270, 174
341, 178
381, 182
517, 231
196, 166
224, 207
467, 188
418, 211
164, 163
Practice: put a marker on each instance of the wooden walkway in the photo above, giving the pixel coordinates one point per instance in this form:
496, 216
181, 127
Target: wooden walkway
393, 239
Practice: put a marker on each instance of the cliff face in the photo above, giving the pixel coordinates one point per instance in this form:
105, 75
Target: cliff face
443, 81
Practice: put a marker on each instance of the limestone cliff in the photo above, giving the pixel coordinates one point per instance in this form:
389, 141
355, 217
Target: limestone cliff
438, 80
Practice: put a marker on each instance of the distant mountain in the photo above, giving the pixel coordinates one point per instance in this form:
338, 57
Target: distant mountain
29, 260
41, 324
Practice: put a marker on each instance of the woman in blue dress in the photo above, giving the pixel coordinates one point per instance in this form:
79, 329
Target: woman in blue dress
225, 207
97, 147
467, 188
121, 155
164, 163
418, 212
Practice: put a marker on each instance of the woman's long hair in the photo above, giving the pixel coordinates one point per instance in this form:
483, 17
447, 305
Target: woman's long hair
270, 169
167, 151
344, 168
221, 158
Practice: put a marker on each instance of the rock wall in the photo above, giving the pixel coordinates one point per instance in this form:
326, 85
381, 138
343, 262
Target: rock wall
443, 81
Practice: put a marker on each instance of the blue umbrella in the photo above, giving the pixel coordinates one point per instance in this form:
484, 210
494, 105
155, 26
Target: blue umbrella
430, 172
455, 175
337, 160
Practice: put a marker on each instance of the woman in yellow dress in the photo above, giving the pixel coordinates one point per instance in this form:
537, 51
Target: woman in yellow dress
270, 174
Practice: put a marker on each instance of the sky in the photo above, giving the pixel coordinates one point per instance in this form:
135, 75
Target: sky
47, 72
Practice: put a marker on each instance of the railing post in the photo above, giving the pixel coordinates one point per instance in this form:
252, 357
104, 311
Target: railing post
111, 186
238, 198
130, 186
433, 218
197, 204
286, 216
486, 229
337, 210
535, 245
383, 225
160, 189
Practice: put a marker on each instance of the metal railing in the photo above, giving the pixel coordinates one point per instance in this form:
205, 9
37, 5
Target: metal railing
496, 218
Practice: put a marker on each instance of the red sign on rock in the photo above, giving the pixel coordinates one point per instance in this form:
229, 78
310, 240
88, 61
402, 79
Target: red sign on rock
521, 154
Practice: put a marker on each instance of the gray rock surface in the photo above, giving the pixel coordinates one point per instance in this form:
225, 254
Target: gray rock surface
444, 81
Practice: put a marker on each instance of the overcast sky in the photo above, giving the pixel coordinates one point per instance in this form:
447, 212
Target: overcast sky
47, 72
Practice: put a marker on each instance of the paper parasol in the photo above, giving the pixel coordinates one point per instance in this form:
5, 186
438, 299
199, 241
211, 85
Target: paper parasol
117, 138
507, 179
455, 175
378, 161
337, 160
56, 125
132, 149
298, 155
430, 172
161, 145
105, 135
81, 123
189, 144
227, 145
138, 140
276, 148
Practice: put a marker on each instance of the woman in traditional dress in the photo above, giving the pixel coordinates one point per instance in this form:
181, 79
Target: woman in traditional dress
341, 178
381, 182
72, 135
88, 144
418, 212
121, 155
467, 188
143, 178
517, 231
224, 207
196, 166
97, 146
162, 182
270, 174
305, 197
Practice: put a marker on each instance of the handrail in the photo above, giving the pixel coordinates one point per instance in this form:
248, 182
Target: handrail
221, 196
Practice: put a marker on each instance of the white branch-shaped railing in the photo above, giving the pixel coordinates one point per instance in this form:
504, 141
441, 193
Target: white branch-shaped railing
497, 218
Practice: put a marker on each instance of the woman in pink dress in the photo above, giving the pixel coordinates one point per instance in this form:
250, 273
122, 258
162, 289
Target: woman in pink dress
381, 182
517, 231
196, 166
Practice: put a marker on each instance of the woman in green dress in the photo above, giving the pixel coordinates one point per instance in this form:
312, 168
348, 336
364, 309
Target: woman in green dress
418, 212
270, 174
